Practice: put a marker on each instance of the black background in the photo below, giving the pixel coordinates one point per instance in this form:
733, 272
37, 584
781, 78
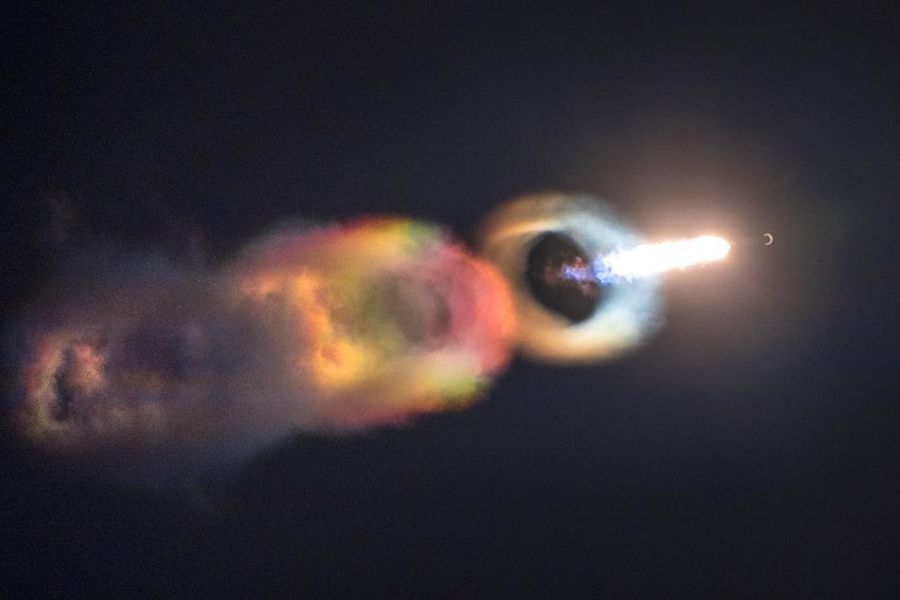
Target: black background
749, 450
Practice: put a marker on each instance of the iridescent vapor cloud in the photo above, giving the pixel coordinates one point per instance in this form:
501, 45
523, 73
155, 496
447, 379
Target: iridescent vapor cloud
335, 329
390, 319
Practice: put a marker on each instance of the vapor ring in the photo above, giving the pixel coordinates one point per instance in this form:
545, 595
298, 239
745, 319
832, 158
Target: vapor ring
630, 311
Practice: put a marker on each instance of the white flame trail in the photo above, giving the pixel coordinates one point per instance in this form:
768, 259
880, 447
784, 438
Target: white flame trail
647, 260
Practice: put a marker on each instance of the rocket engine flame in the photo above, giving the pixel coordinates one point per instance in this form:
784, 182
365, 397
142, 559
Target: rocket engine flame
652, 259
648, 260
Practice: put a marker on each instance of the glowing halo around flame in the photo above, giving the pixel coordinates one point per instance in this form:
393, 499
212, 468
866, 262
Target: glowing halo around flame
627, 315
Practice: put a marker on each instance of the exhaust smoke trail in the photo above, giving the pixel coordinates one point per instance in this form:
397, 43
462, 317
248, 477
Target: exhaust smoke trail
140, 367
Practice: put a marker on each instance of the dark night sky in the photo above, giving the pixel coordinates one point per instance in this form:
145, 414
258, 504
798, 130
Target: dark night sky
751, 449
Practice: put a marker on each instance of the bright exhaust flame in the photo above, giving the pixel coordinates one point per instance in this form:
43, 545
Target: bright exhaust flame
647, 260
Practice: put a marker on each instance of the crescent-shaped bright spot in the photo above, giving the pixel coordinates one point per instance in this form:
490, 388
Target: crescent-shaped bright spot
769, 239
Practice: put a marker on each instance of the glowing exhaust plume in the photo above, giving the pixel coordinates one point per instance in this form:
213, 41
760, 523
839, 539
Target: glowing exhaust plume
647, 260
